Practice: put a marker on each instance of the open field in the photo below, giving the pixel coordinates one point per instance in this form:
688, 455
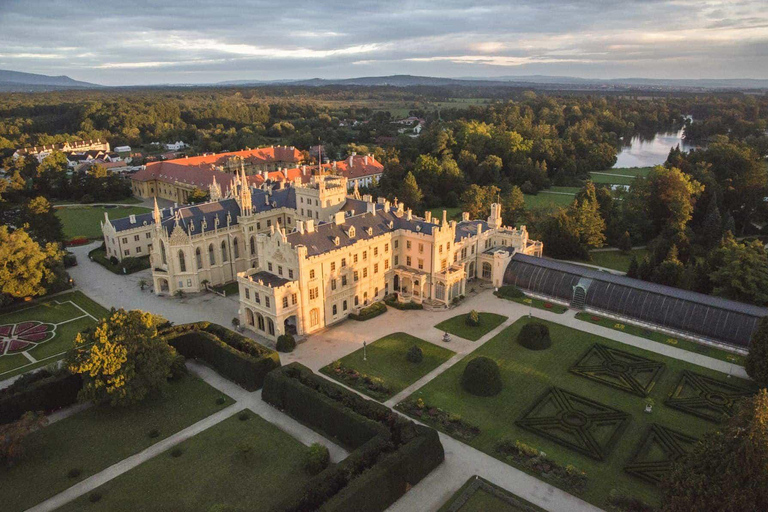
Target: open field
528, 376
458, 325
616, 260
548, 200
385, 359
41, 333
84, 221
94, 439
236, 465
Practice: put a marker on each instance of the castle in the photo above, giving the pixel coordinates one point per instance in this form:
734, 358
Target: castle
306, 255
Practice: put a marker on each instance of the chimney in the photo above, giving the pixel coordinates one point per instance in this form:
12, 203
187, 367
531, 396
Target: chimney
408, 214
300, 226
445, 217
479, 228
365, 160
351, 157
132, 218
310, 226
370, 207
428, 216
304, 170
464, 216
367, 198
338, 218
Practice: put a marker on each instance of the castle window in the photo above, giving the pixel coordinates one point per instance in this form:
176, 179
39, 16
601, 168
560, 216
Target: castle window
351, 232
336, 241
356, 276
256, 298
198, 259
312, 274
335, 310
253, 246
269, 266
290, 273
182, 262
343, 280
344, 305
365, 255
357, 300
343, 262
375, 251
224, 256
211, 255
375, 268
354, 258
266, 301
285, 301
408, 261
386, 247
247, 293
236, 248
314, 317
365, 272
386, 264
333, 266
293, 299
333, 284
280, 269
407, 244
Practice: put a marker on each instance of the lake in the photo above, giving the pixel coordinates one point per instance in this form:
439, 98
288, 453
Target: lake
650, 152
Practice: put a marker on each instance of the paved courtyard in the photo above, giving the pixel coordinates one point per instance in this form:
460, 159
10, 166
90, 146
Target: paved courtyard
461, 462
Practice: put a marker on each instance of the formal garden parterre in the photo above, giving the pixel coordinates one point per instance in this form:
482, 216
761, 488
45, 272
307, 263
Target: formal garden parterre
460, 326
572, 430
480, 495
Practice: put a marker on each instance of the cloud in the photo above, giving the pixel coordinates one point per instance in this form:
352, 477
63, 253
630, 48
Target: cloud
190, 41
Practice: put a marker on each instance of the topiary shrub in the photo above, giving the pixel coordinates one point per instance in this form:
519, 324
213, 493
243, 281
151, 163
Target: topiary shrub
178, 367
415, 354
94, 497
285, 343
472, 319
534, 336
220, 400
176, 452
510, 292
153, 433
74, 473
316, 458
481, 377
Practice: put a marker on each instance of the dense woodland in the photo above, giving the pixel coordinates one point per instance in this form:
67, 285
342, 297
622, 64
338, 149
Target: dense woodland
479, 146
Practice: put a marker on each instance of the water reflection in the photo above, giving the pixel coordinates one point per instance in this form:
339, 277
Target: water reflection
649, 152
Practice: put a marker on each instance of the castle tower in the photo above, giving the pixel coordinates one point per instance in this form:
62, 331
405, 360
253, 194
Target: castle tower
244, 194
156, 216
214, 190
494, 221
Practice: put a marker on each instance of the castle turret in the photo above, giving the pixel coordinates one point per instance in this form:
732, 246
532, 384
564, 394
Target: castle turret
214, 190
494, 221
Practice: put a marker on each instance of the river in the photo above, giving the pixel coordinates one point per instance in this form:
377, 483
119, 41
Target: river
647, 153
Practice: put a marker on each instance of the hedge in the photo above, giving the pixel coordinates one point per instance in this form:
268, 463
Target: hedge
39, 391
394, 303
388, 453
510, 292
130, 264
232, 355
372, 311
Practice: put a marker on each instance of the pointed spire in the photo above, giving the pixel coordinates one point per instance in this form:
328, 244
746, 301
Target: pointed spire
156, 216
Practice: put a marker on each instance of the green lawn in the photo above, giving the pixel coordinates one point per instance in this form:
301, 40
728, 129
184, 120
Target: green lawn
616, 260
548, 200
480, 495
85, 221
605, 178
451, 213
127, 200
458, 325
96, 438
229, 289
70, 313
630, 171
385, 360
211, 470
666, 339
527, 374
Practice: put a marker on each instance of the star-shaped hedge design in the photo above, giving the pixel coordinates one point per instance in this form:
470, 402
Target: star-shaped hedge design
575, 422
705, 397
657, 452
621, 370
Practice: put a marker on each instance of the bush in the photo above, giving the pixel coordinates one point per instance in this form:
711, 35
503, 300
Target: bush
510, 292
534, 336
154, 433
221, 400
372, 311
73, 473
176, 453
94, 497
392, 301
472, 319
481, 377
285, 343
178, 367
86, 199
234, 356
113, 260
39, 391
244, 416
70, 260
316, 458
415, 354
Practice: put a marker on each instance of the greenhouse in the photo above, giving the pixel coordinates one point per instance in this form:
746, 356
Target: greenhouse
689, 312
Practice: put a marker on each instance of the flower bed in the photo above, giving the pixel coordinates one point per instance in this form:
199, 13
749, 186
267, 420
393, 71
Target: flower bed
521, 454
354, 379
77, 241
451, 423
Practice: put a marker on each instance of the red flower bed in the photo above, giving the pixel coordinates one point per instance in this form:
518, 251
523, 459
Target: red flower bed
77, 241
595, 318
548, 305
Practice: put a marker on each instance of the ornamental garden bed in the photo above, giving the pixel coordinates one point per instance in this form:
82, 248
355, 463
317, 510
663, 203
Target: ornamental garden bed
458, 325
94, 439
681, 343
603, 425
382, 370
40, 334
505, 292
480, 495
238, 464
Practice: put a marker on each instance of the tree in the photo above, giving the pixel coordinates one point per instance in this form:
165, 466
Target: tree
670, 271
740, 271
198, 196
668, 196
43, 224
587, 221
757, 359
476, 200
560, 237
712, 227
727, 471
12, 435
634, 268
625, 243
410, 193
25, 266
122, 360
513, 206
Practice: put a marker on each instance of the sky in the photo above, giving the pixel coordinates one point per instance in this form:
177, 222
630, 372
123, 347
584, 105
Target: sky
130, 42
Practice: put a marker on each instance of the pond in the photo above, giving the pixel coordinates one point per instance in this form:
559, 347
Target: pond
649, 152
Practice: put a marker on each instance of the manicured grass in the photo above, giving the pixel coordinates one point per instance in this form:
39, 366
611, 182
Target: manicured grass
616, 260
458, 325
96, 438
85, 221
629, 171
480, 495
681, 343
538, 304
70, 313
548, 200
127, 200
527, 374
604, 177
386, 360
211, 470
230, 289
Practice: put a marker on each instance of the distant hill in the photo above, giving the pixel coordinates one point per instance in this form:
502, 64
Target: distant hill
16, 81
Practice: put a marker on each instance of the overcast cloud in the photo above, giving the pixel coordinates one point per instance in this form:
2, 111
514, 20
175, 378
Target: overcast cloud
189, 41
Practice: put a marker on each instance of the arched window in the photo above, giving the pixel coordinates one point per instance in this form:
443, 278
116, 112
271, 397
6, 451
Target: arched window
198, 259
249, 317
314, 317
211, 255
357, 300
270, 327
486, 270
224, 251
253, 246
235, 248
182, 262
260, 320
162, 253
335, 310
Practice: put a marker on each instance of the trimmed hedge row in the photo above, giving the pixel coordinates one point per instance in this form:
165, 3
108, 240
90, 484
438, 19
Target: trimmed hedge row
234, 356
372, 311
389, 453
39, 391
394, 303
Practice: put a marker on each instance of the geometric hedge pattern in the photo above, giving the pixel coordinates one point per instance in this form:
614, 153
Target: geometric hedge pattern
657, 452
575, 422
705, 397
621, 370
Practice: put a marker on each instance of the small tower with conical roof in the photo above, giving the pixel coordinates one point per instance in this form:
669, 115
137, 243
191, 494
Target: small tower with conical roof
244, 194
157, 216
214, 190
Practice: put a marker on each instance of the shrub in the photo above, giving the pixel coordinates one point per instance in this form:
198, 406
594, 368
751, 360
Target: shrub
481, 377
153, 433
537, 462
86, 199
39, 391
392, 301
113, 260
415, 354
73, 473
178, 367
176, 452
285, 343
510, 292
94, 497
372, 311
70, 260
534, 336
472, 319
220, 400
621, 503
244, 416
316, 458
